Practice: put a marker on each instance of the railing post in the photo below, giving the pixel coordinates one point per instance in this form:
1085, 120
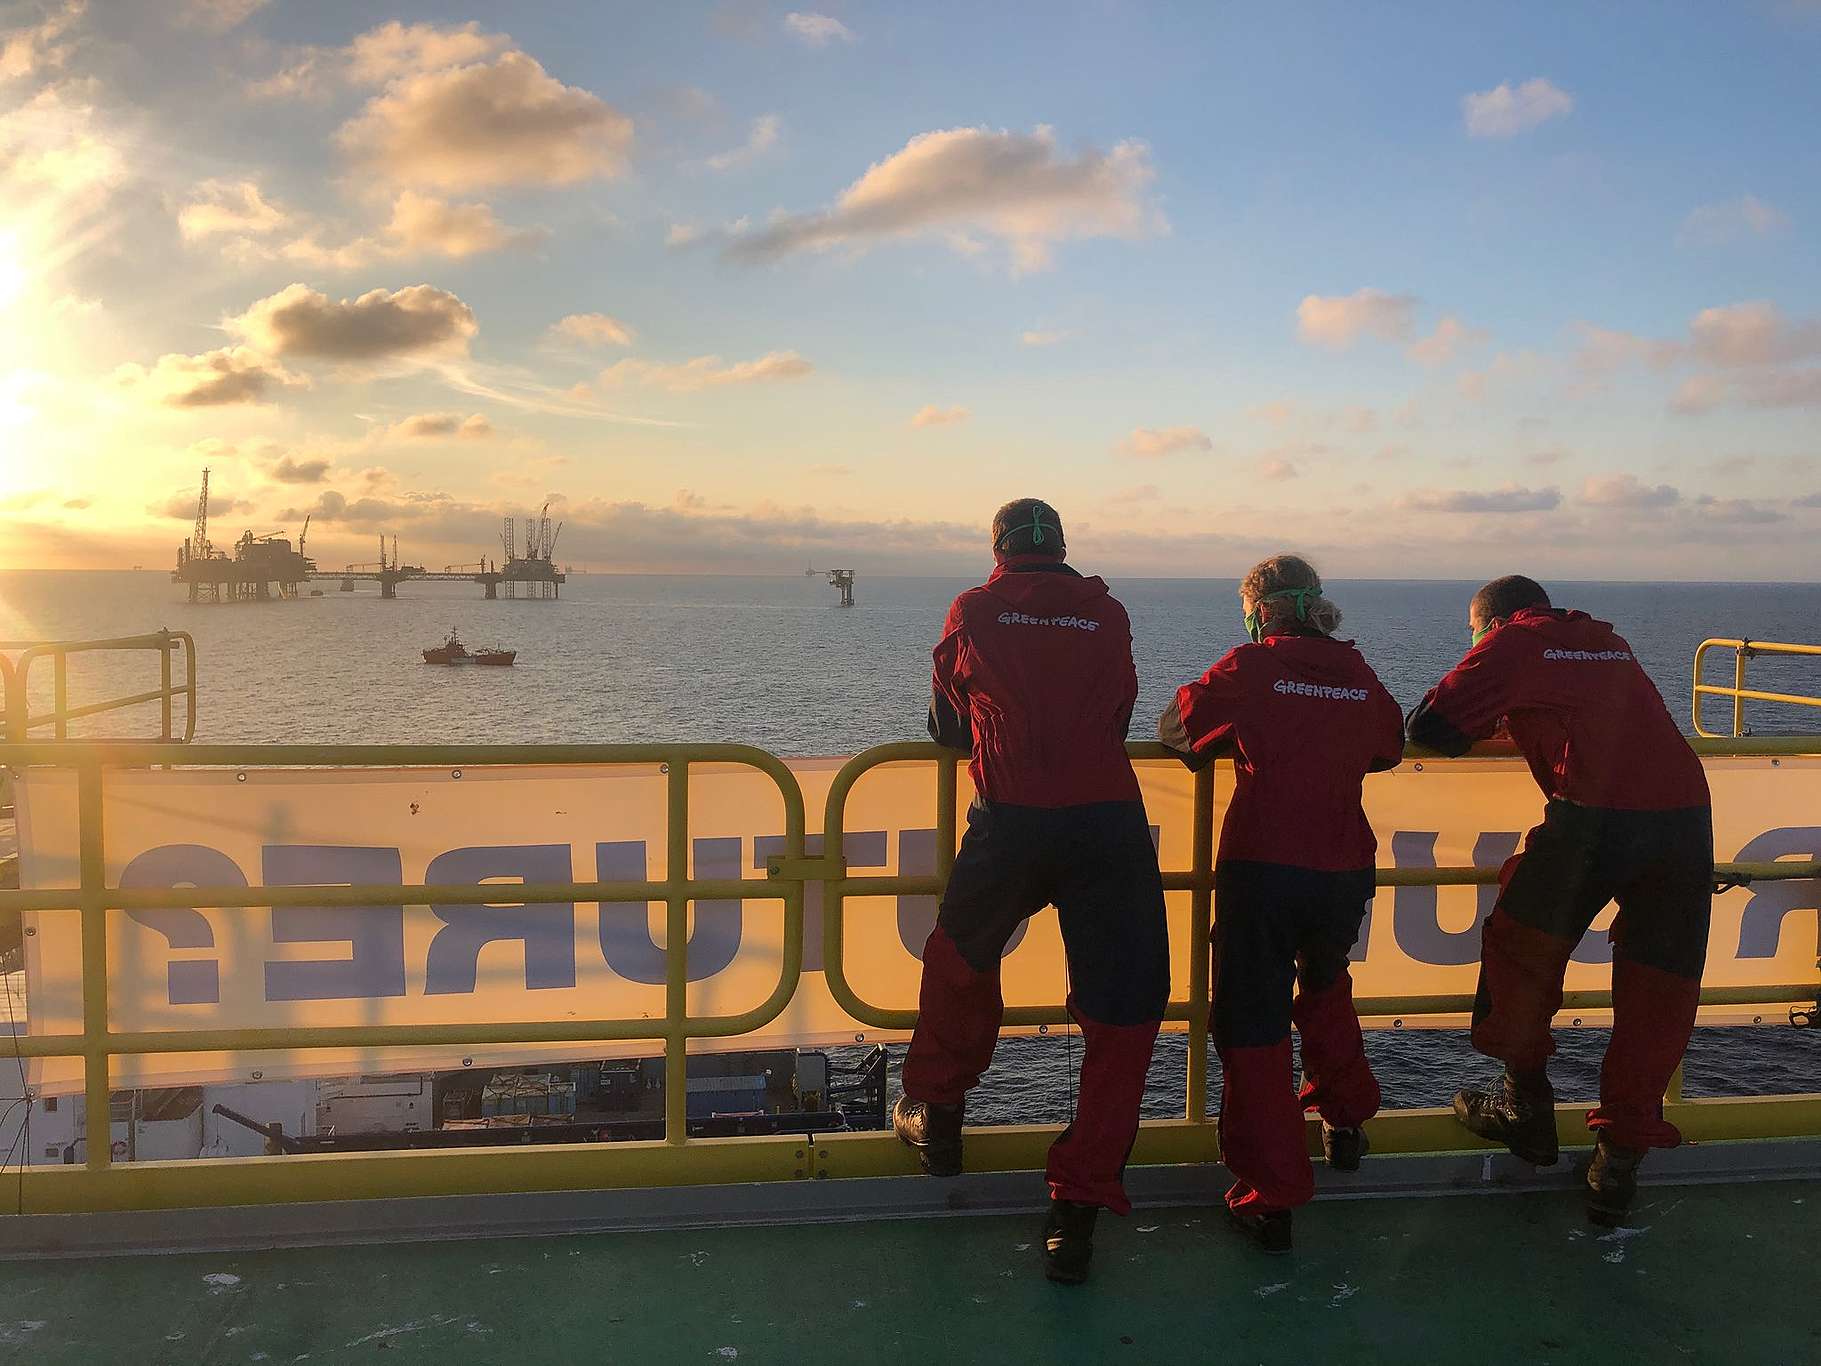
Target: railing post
1201, 925
61, 700
676, 957
93, 910
164, 682
1738, 688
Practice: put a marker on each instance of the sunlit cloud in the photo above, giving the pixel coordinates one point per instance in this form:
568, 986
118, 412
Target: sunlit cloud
290, 471
593, 329
931, 416
1017, 188
420, 425
503, 122
705, 372
35, 48
1148, 442
1506, 110
761, 139
232, 374
380, 324
1628, 491
219, 16
1509, 498
1337, 321
1038, 337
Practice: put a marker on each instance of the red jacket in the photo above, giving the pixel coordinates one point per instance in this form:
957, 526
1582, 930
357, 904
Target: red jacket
1305, 719
1586, 716
1035, 668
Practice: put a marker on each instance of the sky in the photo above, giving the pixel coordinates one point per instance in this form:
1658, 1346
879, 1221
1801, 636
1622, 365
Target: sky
1419, 290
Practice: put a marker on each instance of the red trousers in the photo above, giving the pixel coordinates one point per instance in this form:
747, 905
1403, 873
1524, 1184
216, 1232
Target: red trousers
1658, 866
1281, 940
1097, 865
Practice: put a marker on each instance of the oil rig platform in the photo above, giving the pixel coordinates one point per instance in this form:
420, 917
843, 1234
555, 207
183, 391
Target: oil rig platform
261, 568
265, 567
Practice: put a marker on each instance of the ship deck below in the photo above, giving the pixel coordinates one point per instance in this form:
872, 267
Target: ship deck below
1707, 1273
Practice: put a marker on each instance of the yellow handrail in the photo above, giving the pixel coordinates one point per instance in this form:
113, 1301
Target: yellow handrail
163, 1185
1744, 650
15, 675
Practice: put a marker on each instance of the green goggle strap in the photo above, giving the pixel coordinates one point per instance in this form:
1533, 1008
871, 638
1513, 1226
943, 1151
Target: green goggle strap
1036, 528
1255, 625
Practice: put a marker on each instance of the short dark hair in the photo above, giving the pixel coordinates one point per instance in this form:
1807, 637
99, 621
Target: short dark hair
1028, 526
1500, 598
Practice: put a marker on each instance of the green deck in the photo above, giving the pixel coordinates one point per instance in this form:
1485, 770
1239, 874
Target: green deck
1716, 1273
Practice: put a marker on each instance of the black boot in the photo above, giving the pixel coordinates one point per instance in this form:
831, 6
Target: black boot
1068, 1241
1519, 1114
1612, 1181
933, 1130
1343, 1147
1270, 1229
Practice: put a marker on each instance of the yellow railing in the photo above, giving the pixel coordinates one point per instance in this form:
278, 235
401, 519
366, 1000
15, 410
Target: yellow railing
15, 675
679, 1159
1743, 651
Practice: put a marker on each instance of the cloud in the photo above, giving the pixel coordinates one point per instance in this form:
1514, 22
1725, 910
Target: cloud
1509, 498
396, 49
53, 142
1626, 491
472, 428
1752, 333
228, 207
762, 138
289, 471
1015, 187
218, 16
416, 321
233, 374
1508, 367
1736, 511
181, 506
818, 30
1504, 111
1155, 441
39, 47
422, 223
1338, 320
332, 506
1714, 225
504, 122
594, 329
1450, 338
1035, 338
931, 416
1276, 468
706, 372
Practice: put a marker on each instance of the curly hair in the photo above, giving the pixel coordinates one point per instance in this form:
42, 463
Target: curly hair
1281, 572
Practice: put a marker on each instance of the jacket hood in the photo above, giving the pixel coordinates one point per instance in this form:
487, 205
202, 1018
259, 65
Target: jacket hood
1023, 579
1315, 656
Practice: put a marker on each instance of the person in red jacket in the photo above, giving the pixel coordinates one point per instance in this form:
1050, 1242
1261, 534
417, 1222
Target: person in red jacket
1305, 719
1628, 819
1034, 679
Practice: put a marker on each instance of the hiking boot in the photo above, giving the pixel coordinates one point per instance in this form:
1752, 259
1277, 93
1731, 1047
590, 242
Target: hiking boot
933, 1130
1343, 1148
1521, 1116
1068, 1241
1270, 1229
1612, 1181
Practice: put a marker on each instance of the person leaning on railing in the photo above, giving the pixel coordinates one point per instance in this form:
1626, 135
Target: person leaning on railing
1034, 679
1628, 819
1305, 720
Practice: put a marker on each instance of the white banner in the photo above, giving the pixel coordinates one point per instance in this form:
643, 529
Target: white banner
261, 967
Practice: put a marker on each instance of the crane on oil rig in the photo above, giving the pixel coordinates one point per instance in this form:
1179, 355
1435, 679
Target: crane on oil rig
842, 579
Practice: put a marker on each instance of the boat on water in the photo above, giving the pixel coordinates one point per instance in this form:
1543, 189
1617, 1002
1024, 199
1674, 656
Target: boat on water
452, 651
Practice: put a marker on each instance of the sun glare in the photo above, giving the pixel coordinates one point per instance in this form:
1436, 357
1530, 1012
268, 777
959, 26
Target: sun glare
13, 275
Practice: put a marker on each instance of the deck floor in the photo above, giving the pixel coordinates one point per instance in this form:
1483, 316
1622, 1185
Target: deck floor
1721, 1273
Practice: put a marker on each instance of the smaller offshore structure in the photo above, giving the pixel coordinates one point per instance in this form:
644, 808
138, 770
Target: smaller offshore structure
842, 579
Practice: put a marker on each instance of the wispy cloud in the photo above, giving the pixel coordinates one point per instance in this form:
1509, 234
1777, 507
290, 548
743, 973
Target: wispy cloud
1734, 220
931, 416
817, 30
1149, 442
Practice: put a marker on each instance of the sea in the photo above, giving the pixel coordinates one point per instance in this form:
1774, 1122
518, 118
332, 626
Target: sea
773, 661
